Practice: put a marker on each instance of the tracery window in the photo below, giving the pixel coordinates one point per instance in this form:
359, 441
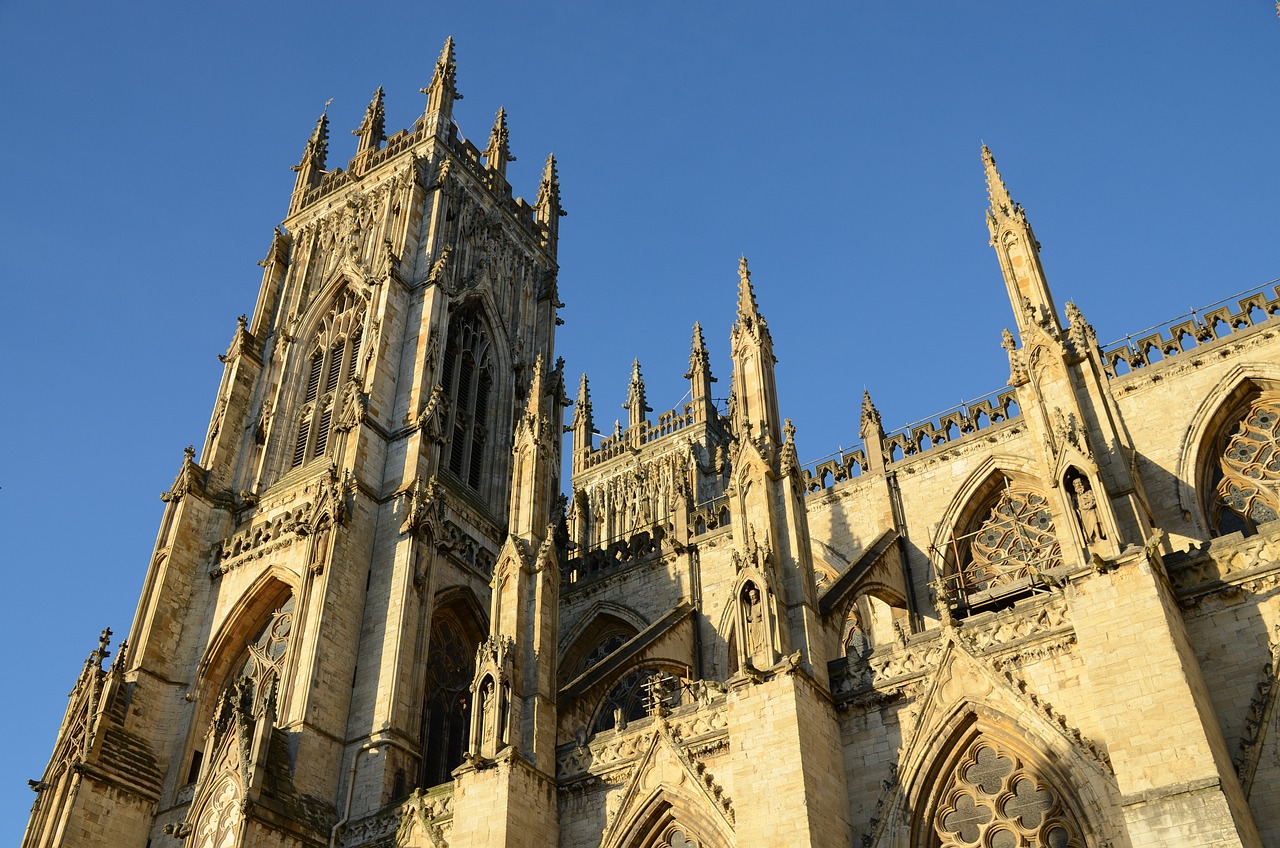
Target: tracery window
467, 379
446, 718
995, 800
1014, 544
266, 654
634, 696
606, 647
1247, 473
334, 361
220, 821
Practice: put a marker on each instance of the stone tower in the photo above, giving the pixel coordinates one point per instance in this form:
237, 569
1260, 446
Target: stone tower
326, 559
1047, 618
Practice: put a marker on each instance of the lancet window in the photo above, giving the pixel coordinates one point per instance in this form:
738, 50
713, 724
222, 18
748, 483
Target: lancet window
1246, 478
446, 717
1009, 549
467, 379
333, 362
992, 798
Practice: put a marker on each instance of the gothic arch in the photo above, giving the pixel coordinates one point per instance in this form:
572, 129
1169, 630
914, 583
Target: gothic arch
599, 623
998, 534
981, 778
1215, 420
245, 618
669, 818
628, 691
456, 633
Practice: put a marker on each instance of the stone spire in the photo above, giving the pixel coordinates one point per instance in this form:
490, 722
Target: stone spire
1019, 254
700, 378
498, 153
998, 198
748, 311
754, 408
583, 425
636, 405
373, 129
311, 169
548, 206
443, 89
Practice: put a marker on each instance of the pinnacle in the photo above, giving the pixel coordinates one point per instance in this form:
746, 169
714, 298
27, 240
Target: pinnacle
870, 415
997, 194
584, 392
549, 190
746, 293
534, 406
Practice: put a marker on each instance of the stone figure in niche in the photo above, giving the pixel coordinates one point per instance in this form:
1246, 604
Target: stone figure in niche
1087, 511
489, 718
756, 619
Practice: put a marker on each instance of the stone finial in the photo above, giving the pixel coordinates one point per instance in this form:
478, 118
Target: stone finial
317, 149
549, 192
746, 292
699, 360
582, 407
636, 404
373, 129
997, 195
443, 89
498, 152
870, 415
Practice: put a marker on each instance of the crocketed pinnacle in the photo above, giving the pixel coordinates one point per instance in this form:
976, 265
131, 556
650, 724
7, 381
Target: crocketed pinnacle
870, 415
997, 194
636, 403
373, 129
443, 89
317, 149
582, 408
748, 311
698, 357
499, 140
549, 189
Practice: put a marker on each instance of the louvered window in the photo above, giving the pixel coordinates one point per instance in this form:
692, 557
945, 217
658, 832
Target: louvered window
336, 352
467, 379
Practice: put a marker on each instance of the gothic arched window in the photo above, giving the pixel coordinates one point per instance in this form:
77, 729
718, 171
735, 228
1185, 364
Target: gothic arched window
993, 798
446, 717
634, 696
1011, 543
1245, 477
467, 379
334, 361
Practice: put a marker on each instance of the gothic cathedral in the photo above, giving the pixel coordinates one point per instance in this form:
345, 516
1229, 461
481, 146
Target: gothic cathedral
1047, 618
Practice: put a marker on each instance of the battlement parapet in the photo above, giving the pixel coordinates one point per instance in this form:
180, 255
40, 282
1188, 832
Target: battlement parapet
645, 433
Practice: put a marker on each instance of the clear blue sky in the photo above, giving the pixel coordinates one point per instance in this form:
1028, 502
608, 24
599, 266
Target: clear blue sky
836, 145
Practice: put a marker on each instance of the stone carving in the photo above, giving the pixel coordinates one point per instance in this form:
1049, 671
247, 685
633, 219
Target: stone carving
435, 411
260, 539
1086, 506
354, 405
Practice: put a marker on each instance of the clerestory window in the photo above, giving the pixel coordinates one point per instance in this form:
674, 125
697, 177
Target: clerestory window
334, 362
1246, 476
467, 380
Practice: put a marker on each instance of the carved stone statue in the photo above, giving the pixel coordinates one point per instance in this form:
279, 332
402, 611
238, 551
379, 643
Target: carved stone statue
756, 618
1087, 511
489, 719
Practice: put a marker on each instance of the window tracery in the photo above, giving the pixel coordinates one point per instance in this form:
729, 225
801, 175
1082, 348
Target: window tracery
1247, 476
634, 697
467, 379
1014, 543
221, 818
995, 800
335, 354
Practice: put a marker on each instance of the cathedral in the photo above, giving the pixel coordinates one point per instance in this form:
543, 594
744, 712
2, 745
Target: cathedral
1050, 617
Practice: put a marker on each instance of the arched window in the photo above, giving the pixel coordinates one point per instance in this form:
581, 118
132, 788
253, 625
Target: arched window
334, 361
446, 717
993, 798
1244, 476
634, 697
467, 379
1008, 545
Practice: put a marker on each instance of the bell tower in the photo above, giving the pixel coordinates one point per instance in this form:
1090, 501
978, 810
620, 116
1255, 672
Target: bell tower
320, 595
